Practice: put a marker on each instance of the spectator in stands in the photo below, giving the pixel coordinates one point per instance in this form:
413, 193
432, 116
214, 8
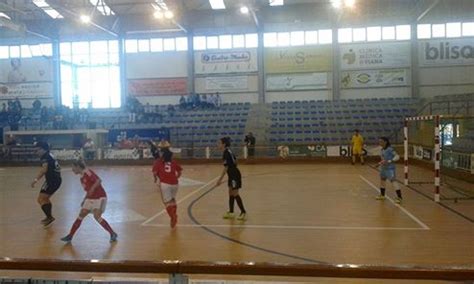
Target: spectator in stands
250, 143
357, 142
4, 113
190, 101
197, 101
44, 117
17, 104
171, 110
36, 106
84, 116
204, 101
131, 106
218, 100
89, 151
182, 102
210, 101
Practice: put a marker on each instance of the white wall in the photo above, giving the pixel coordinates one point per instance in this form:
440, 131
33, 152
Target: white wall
437, 81
157, 65
251, 82
160, 100
399, 92
298, 96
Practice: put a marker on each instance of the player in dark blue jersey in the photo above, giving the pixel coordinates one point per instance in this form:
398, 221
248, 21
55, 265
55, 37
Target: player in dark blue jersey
234, 182
51, 170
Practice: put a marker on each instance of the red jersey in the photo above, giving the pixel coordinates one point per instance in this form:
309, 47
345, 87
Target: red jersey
167, 172
87, 180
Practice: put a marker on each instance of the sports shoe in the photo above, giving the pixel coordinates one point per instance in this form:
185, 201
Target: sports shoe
48, 222
67, 239
113, 237
242, 217
380, 197
398, 200
228, 215
174, 221
44, 220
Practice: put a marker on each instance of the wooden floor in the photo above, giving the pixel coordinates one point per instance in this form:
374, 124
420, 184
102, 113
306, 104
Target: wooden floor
308, 213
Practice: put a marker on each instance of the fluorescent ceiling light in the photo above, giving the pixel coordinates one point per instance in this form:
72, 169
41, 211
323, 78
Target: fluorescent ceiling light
3, 15
169, 15
102, 7
336, 3
47, 9
244, 10
275, 2
85, 19
217, 4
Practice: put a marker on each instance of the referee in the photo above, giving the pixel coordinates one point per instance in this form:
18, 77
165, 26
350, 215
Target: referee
51, 170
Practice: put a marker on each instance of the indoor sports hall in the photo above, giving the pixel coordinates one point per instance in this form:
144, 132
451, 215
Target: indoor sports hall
243, 141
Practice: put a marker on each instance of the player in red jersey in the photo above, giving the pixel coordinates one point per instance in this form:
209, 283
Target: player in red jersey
166, 173
94, 201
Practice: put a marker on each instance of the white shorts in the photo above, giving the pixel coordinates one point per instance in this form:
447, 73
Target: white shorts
168, 191
93, 204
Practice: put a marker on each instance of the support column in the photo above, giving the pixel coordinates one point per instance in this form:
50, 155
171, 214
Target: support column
336, 72
56, 73
261, 68
191, 74
415, 70
123, 72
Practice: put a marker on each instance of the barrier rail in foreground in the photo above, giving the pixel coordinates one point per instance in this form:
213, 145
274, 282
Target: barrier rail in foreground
176, 267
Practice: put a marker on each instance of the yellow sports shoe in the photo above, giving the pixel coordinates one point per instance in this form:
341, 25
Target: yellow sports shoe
228, 215
380, 197
398, 200
242, 217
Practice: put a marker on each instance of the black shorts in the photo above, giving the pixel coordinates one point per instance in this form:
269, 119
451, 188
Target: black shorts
50, 188
235, 178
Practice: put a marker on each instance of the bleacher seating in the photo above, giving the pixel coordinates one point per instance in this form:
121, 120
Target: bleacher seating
333, 122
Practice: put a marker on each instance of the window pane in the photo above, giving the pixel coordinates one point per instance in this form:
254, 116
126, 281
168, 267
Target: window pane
270, 39
238, 41
25, 51
36, 50
156, 45
438, 30
212, 42
168, 44
181, 43
311, 37
359, 34
80, 53
283, 39
388, 33
65, 48
114, 58
14, 51
113, 46
468, 29
199, 43
374, 33
453, 29
251, 40
47, 49
143, 45
325, 36
4, 53
297, 38
344, 35
225, 41
403, 32
131, 46
424, 31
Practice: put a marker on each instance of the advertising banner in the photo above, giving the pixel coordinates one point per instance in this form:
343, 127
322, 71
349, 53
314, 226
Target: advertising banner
228, 83
375, 55
294, 82
446, 52
121, 154
374, 78
157, 87
221, 62
298, 59
67, 155
346, 151
26, 78
302, 151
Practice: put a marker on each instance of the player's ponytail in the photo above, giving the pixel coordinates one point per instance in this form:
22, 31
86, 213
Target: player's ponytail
79, 163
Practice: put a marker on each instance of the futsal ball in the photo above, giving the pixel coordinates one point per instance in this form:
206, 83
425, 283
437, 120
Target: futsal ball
3, 89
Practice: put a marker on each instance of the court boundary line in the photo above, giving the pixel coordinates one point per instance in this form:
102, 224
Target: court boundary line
244, 226
404, 210
145, 223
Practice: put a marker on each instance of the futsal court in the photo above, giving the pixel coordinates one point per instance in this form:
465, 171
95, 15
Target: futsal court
297, 213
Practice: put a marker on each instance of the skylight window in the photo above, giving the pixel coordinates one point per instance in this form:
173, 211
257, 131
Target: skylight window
47, 9
217, 4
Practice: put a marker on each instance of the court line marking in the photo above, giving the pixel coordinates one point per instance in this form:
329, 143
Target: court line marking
179, 201
404, 210
291, 227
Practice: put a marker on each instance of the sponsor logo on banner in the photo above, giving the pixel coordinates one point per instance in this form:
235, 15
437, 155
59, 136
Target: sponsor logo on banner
26, 90
302, 151
157, 87
375, 55
121, 154
230, 83
67, 155
237, 61
374, 78
298, 59
26, 78
346, 151
289, 82
446, 52
427, 154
